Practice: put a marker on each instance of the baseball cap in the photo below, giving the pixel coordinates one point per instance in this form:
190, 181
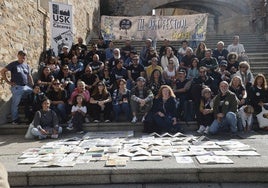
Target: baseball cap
182, 71
141, 79
22, 52
223, 63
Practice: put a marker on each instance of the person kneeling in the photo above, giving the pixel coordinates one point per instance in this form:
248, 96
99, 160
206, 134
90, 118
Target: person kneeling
46, 122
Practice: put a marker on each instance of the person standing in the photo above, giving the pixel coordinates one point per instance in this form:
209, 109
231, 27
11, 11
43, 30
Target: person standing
20, 82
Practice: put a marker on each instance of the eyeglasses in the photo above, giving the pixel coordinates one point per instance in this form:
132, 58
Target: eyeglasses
65, 69
56, 83
135, 59
171, 62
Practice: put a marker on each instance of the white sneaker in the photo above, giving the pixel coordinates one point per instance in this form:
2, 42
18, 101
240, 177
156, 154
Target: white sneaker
201, 129
70, 127
96, 121
134, 119
70, 120
86, 120
143, 119
206, 131
107, 121
54, 136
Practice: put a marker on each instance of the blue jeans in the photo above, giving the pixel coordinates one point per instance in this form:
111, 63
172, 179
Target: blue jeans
229, 122
60, 110
36, 133
18, 92
119, 108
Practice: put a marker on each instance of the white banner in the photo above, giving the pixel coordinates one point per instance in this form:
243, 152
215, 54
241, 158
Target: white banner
61, 24
189, 27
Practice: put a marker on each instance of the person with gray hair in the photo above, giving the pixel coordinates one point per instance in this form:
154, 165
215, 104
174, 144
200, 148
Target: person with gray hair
112, 61
225, 110
220, 53
238, 48
187, 59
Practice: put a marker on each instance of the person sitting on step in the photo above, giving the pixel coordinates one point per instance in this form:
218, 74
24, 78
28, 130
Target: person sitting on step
46, 123
100, 101
141, 99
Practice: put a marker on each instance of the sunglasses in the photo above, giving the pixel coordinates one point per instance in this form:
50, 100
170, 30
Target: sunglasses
56, 83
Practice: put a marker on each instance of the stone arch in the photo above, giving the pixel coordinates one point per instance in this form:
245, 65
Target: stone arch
234, 15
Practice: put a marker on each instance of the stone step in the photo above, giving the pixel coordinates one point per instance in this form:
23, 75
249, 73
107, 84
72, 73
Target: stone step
258, 59
257, 65
10, 129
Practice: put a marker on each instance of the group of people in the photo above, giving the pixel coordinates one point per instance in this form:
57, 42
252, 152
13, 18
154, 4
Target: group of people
213, 86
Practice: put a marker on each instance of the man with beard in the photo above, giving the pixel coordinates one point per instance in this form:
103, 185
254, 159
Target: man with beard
225, 110
135, 70
118, 72
116, 56
90, 79
94, 50
97, 66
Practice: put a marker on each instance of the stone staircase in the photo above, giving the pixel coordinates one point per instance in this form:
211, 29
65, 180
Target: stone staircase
255, 45
256, 49
139, 174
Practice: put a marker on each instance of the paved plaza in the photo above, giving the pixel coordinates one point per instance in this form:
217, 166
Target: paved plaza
245, 169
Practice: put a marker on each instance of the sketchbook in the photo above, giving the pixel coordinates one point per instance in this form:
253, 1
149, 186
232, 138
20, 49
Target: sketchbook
54, 164
115, 162
212, 159
178, 134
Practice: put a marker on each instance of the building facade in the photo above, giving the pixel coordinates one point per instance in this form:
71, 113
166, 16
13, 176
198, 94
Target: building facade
24, 24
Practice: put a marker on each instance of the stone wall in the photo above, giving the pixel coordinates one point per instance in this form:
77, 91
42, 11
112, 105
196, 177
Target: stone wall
25, 24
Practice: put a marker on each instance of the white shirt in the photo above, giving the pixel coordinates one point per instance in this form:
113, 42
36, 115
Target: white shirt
164, 62
170, 74
239, 48
82, 108
245, 118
